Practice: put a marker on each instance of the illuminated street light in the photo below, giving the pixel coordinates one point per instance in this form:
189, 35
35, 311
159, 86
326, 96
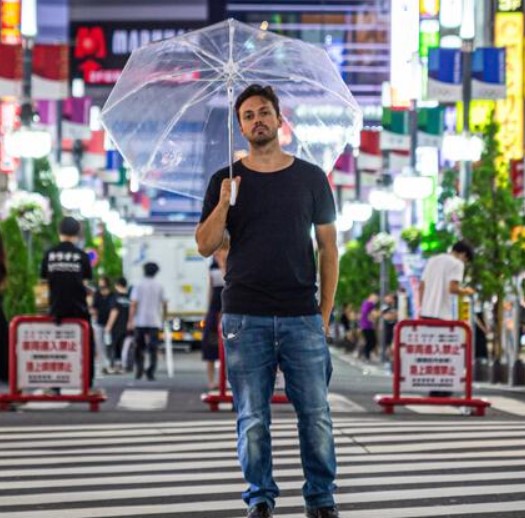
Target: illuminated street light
409, 186
462, 147
357, 211
384, 200
28, 142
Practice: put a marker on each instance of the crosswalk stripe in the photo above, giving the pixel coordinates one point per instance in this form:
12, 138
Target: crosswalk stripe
340, 403
148, 400
225, 488
433, 409
442, 510
509, 405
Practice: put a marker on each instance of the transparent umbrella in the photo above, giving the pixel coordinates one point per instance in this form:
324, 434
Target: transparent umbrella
171, 116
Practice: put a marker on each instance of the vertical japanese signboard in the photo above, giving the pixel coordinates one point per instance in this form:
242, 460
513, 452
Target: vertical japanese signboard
508, 33
49, 355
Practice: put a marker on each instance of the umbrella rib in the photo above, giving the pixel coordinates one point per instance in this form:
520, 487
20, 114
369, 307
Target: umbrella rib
201, 52
193, 100
163, 77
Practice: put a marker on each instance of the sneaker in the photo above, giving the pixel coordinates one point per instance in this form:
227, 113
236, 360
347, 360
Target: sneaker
322, 512
261, 510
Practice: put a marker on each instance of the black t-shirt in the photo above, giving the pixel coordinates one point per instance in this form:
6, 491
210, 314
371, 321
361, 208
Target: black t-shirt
270, 267
65, 267
102, 303
120, 302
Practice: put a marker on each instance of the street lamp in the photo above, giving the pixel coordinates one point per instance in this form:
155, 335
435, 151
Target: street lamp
467, 33
383, 200
410, 186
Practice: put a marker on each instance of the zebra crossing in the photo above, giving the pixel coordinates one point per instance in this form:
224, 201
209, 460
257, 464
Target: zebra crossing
387, 468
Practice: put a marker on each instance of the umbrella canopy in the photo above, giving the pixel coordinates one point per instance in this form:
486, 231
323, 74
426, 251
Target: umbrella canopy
168, 113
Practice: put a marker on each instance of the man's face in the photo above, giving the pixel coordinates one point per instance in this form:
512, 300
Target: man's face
259, 121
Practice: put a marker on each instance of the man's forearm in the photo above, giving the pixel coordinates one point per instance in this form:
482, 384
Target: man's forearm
329, 274
210, 233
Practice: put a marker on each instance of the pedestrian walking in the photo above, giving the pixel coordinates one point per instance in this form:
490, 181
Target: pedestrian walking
116, 329
210, 339
67, 269
271, 317
102, 303
367, 324
147, 312
441, 282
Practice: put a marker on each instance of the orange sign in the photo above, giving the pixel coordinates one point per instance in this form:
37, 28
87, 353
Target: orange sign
10, 21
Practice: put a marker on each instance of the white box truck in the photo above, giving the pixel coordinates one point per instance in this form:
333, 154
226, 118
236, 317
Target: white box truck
183, 274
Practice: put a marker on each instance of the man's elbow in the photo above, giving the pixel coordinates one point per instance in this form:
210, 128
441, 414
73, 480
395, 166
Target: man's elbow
203, 250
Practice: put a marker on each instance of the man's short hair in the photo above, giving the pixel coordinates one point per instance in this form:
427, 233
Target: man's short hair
121, 281
260, 91
462, 247
69, 227
151, 269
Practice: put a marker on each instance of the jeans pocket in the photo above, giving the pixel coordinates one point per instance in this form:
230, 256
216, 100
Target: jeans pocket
232, 326
314, 323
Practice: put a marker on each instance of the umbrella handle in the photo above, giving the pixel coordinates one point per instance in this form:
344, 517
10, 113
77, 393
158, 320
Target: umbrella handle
233, 192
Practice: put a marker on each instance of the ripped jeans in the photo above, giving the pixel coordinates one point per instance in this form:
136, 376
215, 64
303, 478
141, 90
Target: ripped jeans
255, 346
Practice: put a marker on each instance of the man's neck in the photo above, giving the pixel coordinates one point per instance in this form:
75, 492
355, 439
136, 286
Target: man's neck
268, 158
68, 239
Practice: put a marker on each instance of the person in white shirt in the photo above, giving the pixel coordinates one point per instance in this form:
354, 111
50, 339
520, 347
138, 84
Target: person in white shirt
147, 311
441, 282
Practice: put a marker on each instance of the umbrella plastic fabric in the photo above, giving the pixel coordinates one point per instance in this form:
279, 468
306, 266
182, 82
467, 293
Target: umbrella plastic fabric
168, 112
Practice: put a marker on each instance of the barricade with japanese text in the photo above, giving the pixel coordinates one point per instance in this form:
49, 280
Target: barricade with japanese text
432, 356
223, 395
45, 355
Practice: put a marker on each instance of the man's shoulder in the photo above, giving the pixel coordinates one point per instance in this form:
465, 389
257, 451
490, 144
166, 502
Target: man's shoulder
307, 167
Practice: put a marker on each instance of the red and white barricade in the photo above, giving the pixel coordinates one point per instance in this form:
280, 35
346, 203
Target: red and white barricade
432, 356
223, 395
44, 355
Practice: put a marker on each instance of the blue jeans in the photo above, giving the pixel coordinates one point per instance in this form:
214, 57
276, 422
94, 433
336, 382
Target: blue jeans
255, 346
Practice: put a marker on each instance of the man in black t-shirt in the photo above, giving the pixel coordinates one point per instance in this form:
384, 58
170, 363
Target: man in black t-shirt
117, 324
66, 268
271, 317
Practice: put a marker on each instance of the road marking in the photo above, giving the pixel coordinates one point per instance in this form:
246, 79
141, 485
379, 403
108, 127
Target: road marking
148, 400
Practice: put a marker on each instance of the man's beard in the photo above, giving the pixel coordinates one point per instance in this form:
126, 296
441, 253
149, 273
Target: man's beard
261, 140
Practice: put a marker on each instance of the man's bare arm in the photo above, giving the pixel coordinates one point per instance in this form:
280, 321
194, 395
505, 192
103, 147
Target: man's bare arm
210, 233
326, 237
455, 288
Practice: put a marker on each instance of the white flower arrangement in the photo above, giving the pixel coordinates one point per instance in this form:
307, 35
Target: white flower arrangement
381, 246
32, 210
454, 209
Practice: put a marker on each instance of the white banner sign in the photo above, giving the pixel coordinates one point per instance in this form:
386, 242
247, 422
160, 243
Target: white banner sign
432, 358
49, 355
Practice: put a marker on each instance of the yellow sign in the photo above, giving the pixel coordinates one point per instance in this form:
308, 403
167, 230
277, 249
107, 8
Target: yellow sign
429, 7
10, 22
464, 309
509, 5
509, 111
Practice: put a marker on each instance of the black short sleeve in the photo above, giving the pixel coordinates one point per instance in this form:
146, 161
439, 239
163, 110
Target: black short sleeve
212, 195
43, 268
324, 205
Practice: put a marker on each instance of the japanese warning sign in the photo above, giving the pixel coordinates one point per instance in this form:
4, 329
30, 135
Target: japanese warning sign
49, 355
